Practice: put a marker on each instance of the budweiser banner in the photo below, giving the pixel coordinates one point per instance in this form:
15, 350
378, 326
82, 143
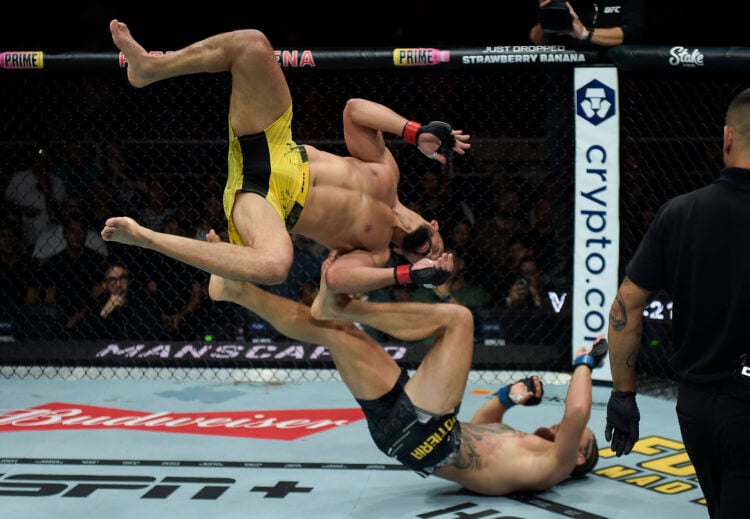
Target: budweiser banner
268, 424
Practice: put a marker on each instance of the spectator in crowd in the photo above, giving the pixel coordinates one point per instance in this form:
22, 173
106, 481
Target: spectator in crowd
605, 23
52, 240
70, 277
211, 217
123, 308
99, 201
176, 287
158, 207
78, 168
504, 219
534, 289
543, 227
436, 199
37, 194
128, 192
539, 310
499, 274
461, 237
18, 273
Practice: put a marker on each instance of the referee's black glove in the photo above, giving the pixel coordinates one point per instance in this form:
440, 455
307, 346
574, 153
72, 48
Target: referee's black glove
622, 421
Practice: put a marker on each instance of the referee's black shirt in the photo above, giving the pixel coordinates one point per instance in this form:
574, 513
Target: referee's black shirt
698, 249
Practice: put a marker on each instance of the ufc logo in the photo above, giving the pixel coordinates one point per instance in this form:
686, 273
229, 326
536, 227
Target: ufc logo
612, 9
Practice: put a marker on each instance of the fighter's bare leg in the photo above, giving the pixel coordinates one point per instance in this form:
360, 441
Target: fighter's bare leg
224, 259
439, 382
365, 367
260, 93
406, 321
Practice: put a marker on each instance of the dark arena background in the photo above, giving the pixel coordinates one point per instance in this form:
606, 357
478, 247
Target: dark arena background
159, 154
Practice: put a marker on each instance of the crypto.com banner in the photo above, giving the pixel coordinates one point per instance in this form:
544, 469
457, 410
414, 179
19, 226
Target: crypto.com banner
597, 217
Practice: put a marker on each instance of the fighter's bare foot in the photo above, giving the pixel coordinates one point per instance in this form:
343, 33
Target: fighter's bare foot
222, 289
136, 56
123, 229
326, 303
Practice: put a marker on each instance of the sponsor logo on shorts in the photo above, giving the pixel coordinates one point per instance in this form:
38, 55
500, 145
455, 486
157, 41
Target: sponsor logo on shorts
434, 439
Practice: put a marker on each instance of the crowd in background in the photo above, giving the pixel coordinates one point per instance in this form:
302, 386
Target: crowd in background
65, 282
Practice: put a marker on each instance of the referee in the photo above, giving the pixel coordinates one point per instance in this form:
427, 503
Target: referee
698, 249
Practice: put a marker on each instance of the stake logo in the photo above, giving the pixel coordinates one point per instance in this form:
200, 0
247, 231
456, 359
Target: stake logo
269, 425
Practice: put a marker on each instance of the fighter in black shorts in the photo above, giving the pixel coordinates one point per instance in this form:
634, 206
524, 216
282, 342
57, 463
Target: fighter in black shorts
417, 438
414, 419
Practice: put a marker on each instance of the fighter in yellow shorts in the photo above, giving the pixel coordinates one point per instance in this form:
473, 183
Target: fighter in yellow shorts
349, 204
271, 165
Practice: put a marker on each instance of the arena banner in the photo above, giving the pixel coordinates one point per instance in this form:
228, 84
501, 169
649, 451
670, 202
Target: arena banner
250, 354
624, 57
597, 227
338, 59
680, 58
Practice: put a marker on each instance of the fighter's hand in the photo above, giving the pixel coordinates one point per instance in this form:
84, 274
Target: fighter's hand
429, 273
622, 422
436, 138
123, 229
528, 391
593, 357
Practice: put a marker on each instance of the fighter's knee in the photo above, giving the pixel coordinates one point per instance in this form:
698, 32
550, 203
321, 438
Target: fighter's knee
333, 281
455, 313
249, 41
463, 315
457, 316
277, 273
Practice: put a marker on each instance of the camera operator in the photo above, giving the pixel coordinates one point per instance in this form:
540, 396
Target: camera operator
604, 23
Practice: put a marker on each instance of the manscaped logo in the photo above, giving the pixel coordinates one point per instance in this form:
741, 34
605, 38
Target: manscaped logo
270, 425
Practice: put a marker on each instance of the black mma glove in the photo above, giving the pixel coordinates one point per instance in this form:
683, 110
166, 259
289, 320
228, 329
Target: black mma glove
429, 277
594, 358
509, 401
622, 421
443, 131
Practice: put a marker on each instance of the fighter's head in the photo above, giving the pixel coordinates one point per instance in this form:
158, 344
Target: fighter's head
423, 242
588, 450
